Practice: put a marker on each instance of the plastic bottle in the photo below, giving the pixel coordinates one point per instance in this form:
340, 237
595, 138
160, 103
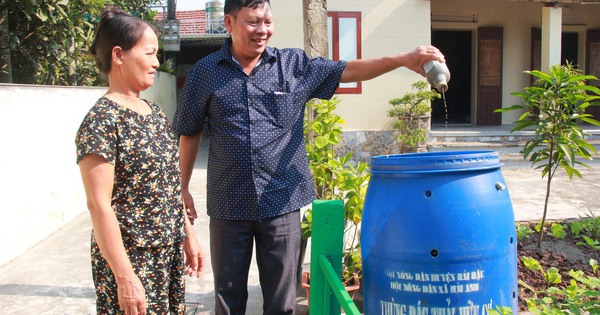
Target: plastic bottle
437, 74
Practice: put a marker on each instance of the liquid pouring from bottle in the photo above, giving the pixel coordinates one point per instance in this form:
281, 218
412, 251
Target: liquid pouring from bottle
438, 76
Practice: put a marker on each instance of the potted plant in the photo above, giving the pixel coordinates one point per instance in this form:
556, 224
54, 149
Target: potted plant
336, 177
349, 184
412, 113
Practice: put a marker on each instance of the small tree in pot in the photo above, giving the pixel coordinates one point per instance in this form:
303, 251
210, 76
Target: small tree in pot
413, 115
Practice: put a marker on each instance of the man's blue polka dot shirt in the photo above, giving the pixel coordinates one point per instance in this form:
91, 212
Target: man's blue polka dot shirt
257, 164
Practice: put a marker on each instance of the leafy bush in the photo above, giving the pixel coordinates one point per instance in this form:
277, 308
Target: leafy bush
577, 294
49, 40
168, 66
414, 104
580, 296
412, 112
335, 177
591, 225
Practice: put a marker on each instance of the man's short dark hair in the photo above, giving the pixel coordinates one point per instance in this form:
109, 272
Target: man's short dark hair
232, 6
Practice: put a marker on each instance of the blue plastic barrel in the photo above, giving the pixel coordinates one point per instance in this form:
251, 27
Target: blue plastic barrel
438, 235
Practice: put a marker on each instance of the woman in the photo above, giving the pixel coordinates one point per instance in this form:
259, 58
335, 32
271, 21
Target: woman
129, 164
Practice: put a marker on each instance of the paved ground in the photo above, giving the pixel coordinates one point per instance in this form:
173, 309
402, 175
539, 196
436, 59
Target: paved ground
53, 277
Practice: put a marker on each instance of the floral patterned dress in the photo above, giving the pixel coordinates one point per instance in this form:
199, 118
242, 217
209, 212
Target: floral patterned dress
146, 199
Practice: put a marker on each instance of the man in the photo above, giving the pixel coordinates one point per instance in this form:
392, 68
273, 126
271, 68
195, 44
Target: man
251, 98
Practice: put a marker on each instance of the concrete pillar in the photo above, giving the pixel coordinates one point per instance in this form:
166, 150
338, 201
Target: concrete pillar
551, 36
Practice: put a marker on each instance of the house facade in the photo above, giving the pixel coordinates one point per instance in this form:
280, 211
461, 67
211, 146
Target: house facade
487, 43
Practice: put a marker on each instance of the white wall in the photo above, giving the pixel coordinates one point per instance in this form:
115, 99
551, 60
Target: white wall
40, 184
388, 27
288, 22
163, 93
40, 188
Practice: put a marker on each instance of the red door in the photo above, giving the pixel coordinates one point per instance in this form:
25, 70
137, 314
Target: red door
536, 51
489, 75
592, 64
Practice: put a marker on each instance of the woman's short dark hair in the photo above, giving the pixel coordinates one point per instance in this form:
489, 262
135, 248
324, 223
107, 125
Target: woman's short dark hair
116, 28
232, 6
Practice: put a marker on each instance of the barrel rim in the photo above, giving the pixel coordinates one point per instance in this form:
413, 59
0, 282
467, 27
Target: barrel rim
435, 162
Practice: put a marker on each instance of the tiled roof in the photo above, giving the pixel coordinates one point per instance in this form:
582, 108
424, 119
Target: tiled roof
192, 23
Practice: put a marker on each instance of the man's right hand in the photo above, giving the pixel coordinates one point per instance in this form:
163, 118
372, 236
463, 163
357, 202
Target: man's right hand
188, 205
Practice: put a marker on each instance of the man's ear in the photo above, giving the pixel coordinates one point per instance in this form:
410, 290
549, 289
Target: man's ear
228, 21
117, 55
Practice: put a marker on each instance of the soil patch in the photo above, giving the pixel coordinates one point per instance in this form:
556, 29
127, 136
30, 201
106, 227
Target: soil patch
563, 254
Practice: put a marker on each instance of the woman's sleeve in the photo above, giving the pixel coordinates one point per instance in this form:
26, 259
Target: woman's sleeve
97, 135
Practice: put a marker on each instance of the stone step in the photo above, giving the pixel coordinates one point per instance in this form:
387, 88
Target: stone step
493, 136
498, 138
508, 150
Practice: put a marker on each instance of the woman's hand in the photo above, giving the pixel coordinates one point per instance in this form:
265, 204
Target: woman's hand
188, 204
132, 296
194, 256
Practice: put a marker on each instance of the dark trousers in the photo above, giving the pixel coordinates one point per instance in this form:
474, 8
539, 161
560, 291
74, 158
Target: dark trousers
277, 252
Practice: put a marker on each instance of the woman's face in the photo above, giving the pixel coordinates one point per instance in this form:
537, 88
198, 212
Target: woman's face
140, 62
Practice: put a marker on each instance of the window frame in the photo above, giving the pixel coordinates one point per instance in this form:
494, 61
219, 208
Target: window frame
335, 46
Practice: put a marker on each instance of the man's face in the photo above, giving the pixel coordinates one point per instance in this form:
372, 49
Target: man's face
250, 31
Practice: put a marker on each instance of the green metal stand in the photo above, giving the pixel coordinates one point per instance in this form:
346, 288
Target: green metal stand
327, 292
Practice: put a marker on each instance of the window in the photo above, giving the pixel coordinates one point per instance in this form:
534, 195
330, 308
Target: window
344, 43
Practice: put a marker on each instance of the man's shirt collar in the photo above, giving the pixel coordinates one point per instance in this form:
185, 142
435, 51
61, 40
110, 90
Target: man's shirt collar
225, 54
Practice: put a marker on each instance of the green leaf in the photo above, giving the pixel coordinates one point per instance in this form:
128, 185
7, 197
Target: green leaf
568, 153
572, 171
506, 109
591, 121
558, 230
321, 142
41, 15
532, 264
